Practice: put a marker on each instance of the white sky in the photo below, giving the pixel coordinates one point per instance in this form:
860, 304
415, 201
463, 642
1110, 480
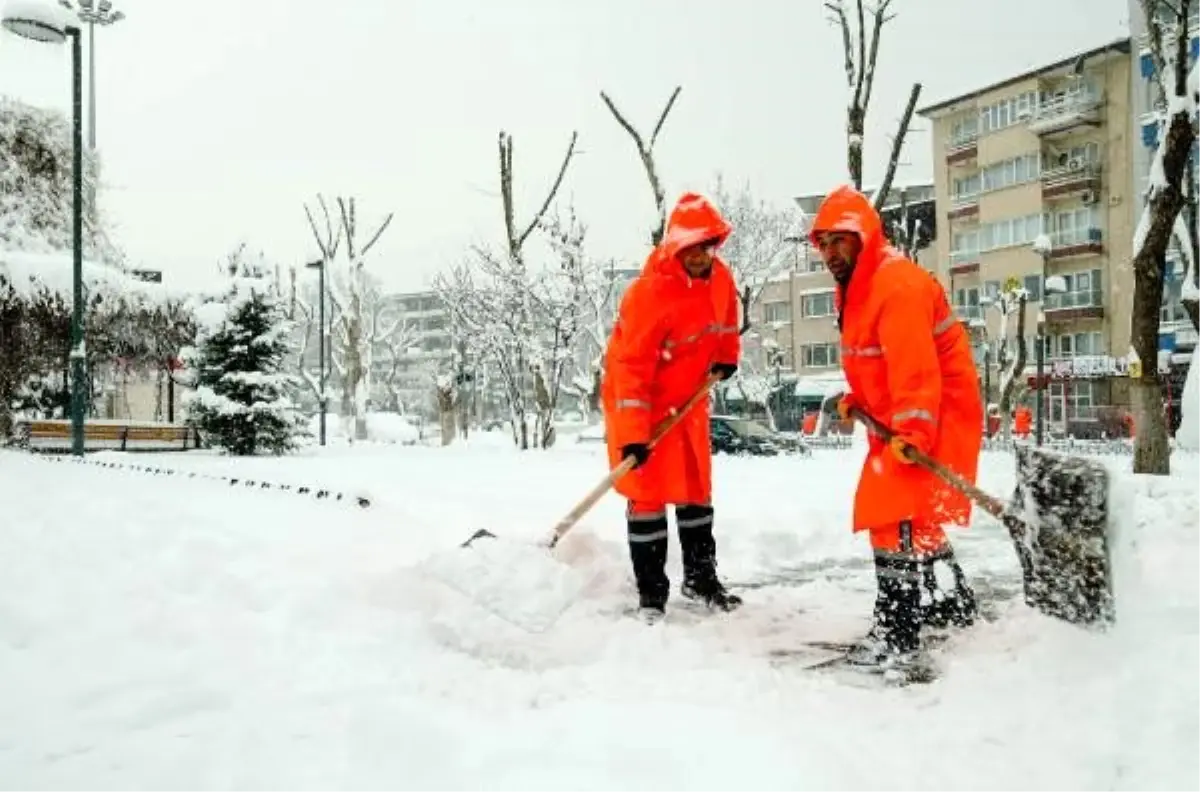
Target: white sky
218, 120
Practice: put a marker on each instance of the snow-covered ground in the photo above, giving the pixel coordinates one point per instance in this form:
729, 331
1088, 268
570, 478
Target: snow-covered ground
176, 632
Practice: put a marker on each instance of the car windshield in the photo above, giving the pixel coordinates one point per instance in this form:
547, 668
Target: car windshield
748, 428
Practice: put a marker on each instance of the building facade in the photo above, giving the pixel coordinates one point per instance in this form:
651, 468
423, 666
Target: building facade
1034, 179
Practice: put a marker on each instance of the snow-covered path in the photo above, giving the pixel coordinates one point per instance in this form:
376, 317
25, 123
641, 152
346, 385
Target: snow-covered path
182, 633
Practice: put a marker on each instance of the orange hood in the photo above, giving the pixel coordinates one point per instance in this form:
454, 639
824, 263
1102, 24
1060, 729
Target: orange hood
693, 220
846, 209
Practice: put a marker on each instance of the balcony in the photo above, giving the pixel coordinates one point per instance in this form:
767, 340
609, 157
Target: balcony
1076, 242
963, 262
972, 314
963, 206
1065, 307
1065, 112
1071, 179
962, 149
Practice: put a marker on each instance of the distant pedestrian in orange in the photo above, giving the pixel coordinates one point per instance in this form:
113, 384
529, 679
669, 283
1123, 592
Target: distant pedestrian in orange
678, 321
1022, 421
907, 361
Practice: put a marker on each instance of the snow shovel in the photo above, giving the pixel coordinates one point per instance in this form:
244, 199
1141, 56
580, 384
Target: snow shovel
526, 585
1058, 523
589, 500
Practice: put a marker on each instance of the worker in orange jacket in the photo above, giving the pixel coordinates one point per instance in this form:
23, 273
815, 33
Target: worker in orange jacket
677, 323
908, 363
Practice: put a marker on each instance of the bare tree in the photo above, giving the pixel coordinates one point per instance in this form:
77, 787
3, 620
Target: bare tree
348, 287
501, 312
1011, 300
1160, 220
646, 153
755, 250
860, 50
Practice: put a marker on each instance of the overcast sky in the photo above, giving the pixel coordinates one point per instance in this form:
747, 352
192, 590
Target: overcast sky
217, 120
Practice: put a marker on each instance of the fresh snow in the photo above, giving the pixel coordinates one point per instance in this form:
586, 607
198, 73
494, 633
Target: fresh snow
162, 631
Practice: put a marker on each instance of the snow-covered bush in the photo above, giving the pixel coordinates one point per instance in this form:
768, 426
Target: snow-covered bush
243, 400
36, 178
128, 325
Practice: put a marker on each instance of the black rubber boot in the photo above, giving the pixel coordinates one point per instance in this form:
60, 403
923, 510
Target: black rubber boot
648, 551
700, 581
956, 607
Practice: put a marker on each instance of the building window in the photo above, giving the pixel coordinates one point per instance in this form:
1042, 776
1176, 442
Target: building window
814, 306
966, 188
966, 303
1006, 112
1079, 344
964, 130
1076, 227
1072, 401
1083, 291
1172, 299
1033, 285
1010, 232
778, 311
819, 355
1010, 172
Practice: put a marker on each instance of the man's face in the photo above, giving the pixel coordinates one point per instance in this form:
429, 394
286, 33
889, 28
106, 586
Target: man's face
839, 250
698, 259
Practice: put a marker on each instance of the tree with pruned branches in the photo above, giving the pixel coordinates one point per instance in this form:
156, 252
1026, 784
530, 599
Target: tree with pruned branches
860, 49
1162, 219
492, 300
349, 292
645, 151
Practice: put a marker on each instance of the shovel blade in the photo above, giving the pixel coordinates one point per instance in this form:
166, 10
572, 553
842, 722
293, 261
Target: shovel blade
1063, 503
521, 583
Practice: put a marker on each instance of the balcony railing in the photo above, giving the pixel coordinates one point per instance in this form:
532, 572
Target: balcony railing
1070, 177
969, 312
1085, 298
1075, 237
963, 140
960, 257
1062, 112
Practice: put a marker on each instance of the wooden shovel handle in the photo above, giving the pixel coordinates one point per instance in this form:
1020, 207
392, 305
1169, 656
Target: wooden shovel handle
627, 464
991, 505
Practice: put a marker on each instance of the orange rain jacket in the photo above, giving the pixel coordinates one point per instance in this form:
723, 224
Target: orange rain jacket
670, 329
908, 362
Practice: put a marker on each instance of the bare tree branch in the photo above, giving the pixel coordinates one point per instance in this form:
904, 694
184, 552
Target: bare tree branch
897, 145
562, 171
646, 153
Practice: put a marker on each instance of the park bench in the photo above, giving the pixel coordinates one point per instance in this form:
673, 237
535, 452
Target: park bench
55, 435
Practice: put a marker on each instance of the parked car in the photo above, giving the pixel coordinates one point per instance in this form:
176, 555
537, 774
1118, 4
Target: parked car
733, 435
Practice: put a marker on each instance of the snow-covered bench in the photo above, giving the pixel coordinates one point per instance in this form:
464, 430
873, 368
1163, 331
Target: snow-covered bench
55, 435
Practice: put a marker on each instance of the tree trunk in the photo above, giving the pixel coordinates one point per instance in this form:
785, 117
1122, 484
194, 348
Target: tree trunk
1018, 368
854, 145
1151, 448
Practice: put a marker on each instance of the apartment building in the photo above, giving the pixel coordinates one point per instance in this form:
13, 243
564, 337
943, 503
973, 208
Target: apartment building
1045, 156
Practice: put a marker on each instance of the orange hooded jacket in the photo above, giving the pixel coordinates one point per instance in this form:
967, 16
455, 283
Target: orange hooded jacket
908, 362
670, 329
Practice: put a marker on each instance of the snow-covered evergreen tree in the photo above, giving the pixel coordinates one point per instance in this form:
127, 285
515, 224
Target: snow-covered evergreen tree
243, 399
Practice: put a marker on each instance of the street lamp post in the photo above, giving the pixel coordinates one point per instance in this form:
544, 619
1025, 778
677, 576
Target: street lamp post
319, 266
92, 13
40, 21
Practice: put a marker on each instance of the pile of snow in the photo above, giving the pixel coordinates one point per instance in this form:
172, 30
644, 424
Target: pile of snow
29, 272
382, 427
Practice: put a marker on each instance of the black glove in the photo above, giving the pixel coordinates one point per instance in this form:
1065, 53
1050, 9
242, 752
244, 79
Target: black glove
726, 370
639, 451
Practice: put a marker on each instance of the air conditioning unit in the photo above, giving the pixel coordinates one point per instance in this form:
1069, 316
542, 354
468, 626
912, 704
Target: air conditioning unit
1090, 197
